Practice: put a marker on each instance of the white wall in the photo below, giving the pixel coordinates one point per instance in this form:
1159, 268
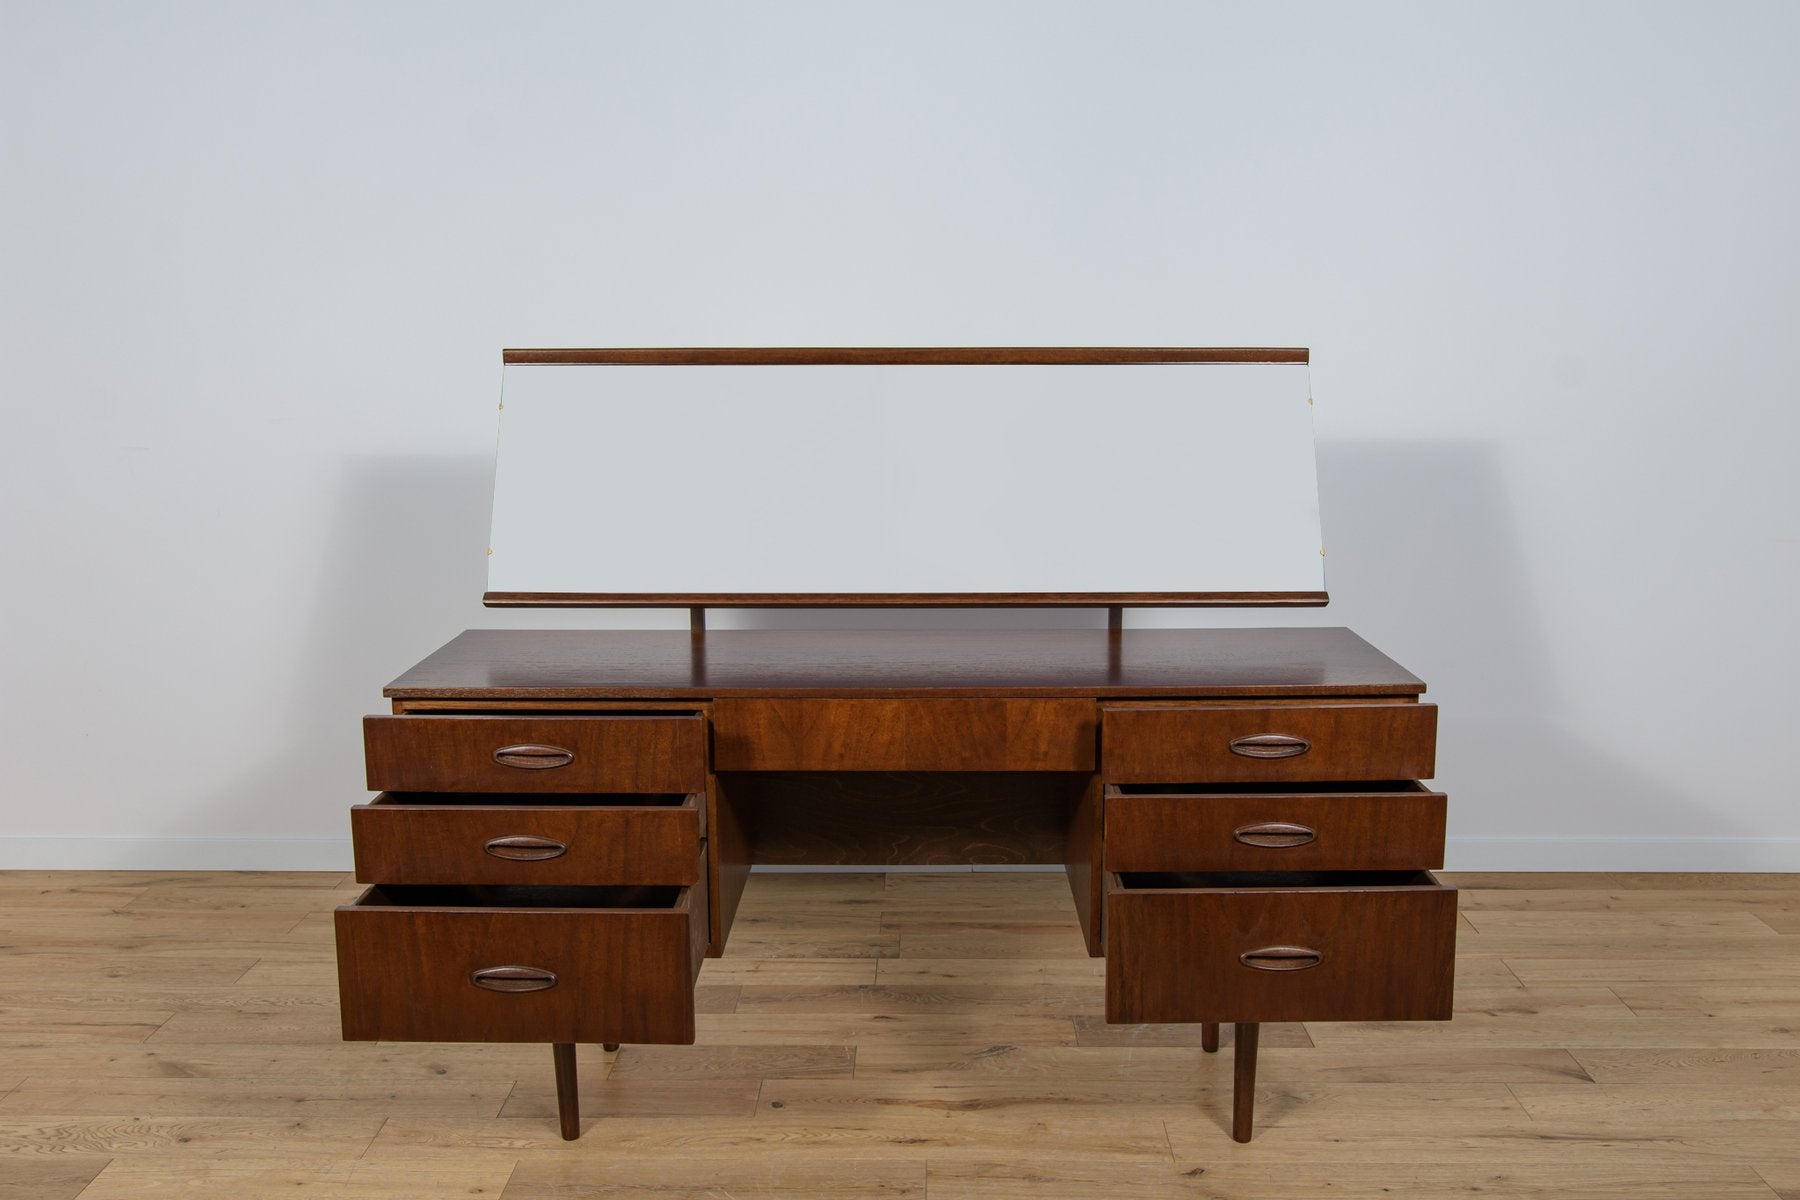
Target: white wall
259, 262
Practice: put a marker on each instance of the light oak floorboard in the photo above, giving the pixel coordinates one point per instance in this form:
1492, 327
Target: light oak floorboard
806, 972
884, 1135
60, 1178
715, 1062
141, 1098
395, 1179
336, 1062
875, 1029
54, 1134
1500, 1181
1040, 997
90, 970
1679, 1069
757, 1179
1091, 1029
1004, 1180
926, 1037
639, 1097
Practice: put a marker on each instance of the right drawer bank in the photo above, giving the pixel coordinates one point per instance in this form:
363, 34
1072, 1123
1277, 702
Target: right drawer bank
1272, 862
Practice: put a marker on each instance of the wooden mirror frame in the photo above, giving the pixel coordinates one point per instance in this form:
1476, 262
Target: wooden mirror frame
915, 356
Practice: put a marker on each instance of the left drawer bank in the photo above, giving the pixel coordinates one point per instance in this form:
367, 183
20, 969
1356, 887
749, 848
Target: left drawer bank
536, 878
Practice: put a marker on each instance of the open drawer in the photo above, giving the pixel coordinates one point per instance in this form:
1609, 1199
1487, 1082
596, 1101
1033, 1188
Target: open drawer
521, 964
451, 837
1279, 946
1396, 825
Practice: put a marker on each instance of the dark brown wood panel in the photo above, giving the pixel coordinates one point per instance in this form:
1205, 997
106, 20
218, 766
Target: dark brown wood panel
881, 818
408, 959
1392, 827
411, 839
695, 356
728, 856
904, 599
520, 664
1385, 950
1082, 859
1223, 744
497, 707
904, 735
810, 735
609, 753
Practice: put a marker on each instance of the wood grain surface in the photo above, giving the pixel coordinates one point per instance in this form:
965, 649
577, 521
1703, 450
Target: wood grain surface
1319, 946
704, 600
619, 839
904, 735
606, 753
620, 967
1158, 744
176, 1034
692, 356
517, 664
1388, 827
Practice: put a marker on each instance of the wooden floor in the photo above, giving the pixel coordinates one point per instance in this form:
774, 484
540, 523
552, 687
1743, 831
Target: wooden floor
905, 1036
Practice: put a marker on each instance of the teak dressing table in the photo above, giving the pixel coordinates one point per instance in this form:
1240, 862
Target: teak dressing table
567, 818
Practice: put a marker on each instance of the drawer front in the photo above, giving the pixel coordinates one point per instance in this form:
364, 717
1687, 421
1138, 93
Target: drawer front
903, 735
465, 973
1354, 829
408, 839
1250, 744
1353, 953
602, 753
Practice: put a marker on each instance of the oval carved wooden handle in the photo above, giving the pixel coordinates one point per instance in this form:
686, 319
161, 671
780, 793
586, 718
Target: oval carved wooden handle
532, 757
524, 847
1281, 958
1275, 835
1270, 745
513, 979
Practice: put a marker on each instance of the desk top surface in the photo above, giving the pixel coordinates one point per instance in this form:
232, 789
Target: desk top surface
669, 664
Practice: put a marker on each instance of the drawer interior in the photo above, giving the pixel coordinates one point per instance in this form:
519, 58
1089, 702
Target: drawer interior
1309, 788
1239, 881
508, 896
536, 799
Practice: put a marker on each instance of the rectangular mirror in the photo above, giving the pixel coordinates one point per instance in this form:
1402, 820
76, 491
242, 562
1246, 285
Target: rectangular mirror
823, 477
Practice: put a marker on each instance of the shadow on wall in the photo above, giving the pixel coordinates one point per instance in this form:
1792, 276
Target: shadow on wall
1426, 562
403, 575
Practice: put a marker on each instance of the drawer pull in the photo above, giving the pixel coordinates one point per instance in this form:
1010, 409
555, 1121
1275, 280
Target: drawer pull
513, 979
525, 848
1270, 745
531, 757
1281, 958
1275, 835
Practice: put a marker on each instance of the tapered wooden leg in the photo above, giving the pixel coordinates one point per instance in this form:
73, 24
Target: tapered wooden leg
609, 1047
1209, 1036
568, 1103
1243, 1082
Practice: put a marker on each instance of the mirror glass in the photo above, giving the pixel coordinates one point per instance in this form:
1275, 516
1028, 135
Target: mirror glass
715, 481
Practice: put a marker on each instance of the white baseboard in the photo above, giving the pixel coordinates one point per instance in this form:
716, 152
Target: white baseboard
173, 854
1607, 853
1463, 854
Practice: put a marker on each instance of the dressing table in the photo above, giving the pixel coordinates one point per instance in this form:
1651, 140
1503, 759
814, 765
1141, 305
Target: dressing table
565, 819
